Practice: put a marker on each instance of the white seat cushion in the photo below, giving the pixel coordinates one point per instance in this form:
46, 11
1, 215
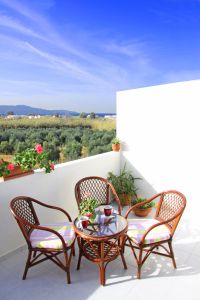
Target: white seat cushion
137, 228
46, 239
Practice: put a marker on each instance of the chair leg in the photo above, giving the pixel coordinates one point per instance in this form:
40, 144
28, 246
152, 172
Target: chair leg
67, 266
122, 243
172, 254
68, 275
139, 263
123, 260
79, 260
27, 264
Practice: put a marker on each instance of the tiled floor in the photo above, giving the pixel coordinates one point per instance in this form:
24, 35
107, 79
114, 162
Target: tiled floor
159, 279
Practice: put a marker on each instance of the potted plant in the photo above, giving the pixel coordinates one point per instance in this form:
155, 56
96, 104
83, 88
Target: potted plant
25, 162
124, 184
88, 206
34, 158
116, 144
5, 168
144, 209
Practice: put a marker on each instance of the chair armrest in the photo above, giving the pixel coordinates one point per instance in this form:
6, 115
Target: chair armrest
53, 207
141, 203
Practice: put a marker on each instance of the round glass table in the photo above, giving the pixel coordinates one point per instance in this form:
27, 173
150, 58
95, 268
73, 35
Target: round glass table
101, 241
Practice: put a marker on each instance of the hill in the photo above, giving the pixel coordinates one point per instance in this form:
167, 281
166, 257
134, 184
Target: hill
28, 110
24, 110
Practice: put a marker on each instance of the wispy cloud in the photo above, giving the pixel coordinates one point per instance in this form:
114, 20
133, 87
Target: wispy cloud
15, 25
25, 11
46, 61
65, 65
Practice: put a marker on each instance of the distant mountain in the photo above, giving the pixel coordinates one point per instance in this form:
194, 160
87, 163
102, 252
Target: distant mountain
23, 110
27, 110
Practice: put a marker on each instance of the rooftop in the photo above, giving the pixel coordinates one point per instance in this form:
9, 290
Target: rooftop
159, 279
159, 151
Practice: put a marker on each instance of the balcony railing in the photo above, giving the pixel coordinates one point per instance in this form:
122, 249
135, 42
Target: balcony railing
56, 188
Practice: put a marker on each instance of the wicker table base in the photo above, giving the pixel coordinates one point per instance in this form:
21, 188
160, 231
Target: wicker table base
101, 243
101, 253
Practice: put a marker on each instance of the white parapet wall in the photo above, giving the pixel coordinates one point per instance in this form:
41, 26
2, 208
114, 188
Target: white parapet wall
56, 188
159, 127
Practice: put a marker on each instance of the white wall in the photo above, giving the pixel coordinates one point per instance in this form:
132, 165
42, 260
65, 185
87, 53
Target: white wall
56, 188
160, 130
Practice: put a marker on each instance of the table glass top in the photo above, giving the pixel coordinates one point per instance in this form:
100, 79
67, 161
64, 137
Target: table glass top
103, 226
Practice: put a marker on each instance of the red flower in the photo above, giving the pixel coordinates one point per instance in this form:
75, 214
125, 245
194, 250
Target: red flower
10, 167
38, 148
52, 167
1, 161
89, 214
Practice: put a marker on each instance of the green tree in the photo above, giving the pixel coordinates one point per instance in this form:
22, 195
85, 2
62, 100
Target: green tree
20, 146
6, 148
52, 150
83, 115
10, 113
73, 151
92, 115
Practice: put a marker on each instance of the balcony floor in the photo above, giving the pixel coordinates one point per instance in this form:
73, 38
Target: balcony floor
159, 279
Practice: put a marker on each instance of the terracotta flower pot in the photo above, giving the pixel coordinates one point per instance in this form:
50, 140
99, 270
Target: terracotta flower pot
116, 147
142, 212
17, 172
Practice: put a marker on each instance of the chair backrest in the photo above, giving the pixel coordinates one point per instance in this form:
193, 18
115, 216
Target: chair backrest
98, 188
24, 213
171, 206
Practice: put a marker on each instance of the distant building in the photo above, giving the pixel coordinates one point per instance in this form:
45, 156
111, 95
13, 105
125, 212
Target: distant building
110, 117
10, 117
34, 117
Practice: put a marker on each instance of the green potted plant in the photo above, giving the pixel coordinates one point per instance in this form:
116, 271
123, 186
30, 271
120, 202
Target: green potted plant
143, 210
87, 207
5, 168
116, 144
34, 158
25, 162
124, 184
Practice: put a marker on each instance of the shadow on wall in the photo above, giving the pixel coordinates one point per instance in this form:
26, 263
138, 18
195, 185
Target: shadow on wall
145, 189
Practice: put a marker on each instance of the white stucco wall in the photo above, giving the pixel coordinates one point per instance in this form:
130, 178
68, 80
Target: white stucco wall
56, 188
160, 130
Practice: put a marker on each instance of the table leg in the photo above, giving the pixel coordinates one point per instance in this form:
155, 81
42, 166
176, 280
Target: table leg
101, 265
121, 247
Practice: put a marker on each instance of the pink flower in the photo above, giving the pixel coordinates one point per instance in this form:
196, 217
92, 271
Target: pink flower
52, 167
38, 148
88, 214
87, 195
1, 161
10, 167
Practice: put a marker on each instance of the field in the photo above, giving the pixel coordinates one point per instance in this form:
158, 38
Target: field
98, 124
64, 139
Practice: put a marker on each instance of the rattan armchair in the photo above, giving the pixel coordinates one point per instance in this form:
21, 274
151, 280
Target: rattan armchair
49, 240
148, 235
99, 188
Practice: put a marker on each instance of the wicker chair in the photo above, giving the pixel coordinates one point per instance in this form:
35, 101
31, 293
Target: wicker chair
147, 235
99, 188
49, 240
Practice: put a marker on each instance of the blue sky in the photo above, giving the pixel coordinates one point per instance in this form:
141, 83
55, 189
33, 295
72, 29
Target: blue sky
75, 54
